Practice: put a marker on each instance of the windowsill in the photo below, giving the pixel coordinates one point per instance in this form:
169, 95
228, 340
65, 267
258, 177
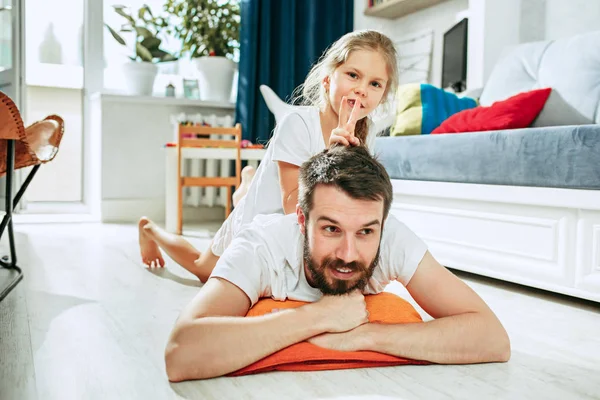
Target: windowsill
161, 100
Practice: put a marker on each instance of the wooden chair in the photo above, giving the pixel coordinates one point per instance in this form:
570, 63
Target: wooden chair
195, 136
21, 147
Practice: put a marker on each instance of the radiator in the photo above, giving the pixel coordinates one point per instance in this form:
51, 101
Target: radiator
209, 196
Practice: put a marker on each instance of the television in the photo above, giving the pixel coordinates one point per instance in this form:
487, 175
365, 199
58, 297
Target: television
454, 61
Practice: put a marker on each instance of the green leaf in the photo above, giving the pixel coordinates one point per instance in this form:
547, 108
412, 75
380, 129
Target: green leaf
168, 57
151, 43
143, 52
143, 32
120, 10
158, 53
206, 24
163, 56
148, 10
114, 34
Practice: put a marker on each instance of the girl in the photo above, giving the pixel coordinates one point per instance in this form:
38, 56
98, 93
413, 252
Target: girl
354, 76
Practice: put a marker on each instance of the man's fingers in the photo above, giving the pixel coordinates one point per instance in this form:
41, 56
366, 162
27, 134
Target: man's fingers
353, 116
343, 114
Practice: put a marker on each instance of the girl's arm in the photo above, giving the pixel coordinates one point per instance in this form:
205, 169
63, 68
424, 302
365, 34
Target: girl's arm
288, 180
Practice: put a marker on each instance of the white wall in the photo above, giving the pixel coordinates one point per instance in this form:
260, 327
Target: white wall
494, 25
532, 27
439, 18
555, 19
362, 21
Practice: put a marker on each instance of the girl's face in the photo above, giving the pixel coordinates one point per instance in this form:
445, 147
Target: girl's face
363, 76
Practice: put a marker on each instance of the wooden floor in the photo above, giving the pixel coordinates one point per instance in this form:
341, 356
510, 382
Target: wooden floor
90, 322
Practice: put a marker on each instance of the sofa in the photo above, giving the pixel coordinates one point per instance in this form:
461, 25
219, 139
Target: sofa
520, 205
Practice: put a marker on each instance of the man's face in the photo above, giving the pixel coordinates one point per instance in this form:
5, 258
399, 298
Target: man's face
341, 240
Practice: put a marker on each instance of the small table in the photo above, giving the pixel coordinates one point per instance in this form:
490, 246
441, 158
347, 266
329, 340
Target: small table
250, 154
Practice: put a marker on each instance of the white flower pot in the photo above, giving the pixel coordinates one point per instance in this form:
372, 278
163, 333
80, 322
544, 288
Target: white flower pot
139, 78
215, 78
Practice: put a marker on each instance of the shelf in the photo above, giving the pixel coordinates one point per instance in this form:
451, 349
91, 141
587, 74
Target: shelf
54, 75
166, 101
393, 9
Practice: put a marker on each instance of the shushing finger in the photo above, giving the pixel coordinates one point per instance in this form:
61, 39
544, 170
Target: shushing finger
351, 125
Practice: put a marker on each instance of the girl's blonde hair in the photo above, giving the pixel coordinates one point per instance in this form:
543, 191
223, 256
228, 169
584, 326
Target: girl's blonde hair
313, 93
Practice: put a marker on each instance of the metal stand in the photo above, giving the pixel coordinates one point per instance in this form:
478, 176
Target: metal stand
6, 262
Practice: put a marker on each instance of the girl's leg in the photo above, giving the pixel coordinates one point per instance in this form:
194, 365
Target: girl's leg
247, 176
205, 264
153, 239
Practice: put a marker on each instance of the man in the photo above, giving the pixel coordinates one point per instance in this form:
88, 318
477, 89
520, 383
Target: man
335, 249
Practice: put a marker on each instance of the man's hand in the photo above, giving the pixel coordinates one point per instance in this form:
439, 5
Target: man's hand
345, 341
342, 313
344, 133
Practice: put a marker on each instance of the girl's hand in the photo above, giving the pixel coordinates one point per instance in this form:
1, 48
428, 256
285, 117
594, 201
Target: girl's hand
344, 133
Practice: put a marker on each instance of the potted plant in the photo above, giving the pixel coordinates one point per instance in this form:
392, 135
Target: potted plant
141, 72
209, 31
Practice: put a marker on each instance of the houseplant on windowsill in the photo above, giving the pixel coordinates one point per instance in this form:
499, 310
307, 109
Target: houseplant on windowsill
209, 31
141, 72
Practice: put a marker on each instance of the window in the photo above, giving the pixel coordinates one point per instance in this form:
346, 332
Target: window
54, 85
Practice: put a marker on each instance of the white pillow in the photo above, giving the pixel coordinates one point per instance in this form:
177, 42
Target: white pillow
278, 107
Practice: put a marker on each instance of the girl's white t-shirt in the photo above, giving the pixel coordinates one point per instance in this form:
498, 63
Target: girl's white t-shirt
297, 138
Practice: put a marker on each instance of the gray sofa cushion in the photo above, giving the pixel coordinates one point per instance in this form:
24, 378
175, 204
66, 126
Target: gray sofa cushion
570, 66
561, 157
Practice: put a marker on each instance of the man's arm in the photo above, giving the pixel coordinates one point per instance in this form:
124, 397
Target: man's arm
213, 338
210, 339
464, 331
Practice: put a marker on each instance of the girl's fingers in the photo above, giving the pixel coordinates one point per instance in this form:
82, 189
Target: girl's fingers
353, 117
343, 114
339, 139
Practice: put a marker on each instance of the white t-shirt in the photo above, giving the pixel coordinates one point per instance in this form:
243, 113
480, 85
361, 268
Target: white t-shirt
265, 259
298, 136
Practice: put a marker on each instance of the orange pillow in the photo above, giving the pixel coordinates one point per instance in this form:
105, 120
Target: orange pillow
304, 356
516, 112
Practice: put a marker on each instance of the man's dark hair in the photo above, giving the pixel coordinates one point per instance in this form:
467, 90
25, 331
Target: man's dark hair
350, 169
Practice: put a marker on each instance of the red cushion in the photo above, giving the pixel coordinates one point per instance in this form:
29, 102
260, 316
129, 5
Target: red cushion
515, 112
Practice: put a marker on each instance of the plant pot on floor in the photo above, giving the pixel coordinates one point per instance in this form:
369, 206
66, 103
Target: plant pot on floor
139, 78
215, 78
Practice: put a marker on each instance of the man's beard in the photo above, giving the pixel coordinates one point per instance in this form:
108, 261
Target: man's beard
338, 286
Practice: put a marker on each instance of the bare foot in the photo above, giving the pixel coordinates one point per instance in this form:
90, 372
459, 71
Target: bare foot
151, 255
247, 176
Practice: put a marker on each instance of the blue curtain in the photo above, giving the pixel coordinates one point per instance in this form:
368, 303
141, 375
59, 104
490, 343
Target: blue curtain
279, 41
